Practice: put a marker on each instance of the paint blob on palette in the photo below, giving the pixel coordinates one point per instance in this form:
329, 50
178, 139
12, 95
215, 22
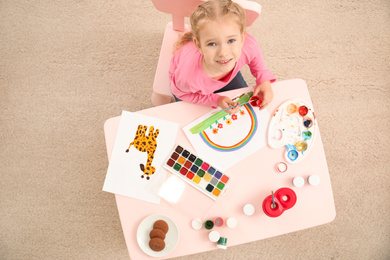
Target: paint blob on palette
197, 172
294, 126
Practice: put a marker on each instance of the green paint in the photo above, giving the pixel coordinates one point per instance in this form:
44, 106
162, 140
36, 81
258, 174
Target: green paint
214, 118
177, 166
220, 185
209, 224
198, 162
201, 173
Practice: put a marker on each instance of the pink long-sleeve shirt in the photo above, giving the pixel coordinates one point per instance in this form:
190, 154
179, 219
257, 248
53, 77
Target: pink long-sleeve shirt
190, 82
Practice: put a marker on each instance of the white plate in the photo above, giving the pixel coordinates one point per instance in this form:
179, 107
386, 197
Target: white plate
171, 239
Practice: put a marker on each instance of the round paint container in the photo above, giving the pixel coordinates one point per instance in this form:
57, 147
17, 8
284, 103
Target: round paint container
314, 180
231, 222
218, 222
298, 181
292, 155
255, 101
301, 146
209, 224
307, 122
284, 199
222, 243
214, 236
197, 224
306, 135
281, 167
292, 108
249, 209
303, 110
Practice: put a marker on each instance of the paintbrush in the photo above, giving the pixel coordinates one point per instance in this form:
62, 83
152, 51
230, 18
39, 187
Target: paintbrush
273, 200
231, 107
218, 115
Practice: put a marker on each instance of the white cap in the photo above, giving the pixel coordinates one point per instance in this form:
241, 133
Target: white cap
231, 222
214, 236
197, 223
314, 180
298, 181
249, 209
221, 246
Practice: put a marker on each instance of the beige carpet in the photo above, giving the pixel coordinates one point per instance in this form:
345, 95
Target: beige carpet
67, 66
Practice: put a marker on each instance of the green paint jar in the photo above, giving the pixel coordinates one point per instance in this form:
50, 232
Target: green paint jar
209, 224
222, 243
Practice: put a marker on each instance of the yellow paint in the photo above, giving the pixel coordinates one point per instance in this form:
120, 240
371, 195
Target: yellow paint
207, 177
196, 179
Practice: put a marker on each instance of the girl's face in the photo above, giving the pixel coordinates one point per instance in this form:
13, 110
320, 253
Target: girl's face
220, 42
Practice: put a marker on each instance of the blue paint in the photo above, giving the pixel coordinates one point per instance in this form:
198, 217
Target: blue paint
211, 170
194, 168
307, 122
292, 152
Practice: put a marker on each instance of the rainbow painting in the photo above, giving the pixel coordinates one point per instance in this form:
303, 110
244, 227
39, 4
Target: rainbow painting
228, 148
225, 139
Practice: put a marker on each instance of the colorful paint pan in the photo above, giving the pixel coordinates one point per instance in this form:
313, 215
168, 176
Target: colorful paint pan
197, 172
294, 126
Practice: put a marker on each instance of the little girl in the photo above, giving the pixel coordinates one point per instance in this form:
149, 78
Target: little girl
209, 58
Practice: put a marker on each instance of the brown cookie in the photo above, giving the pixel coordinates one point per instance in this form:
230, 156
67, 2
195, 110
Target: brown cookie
162, 225
156, 244
157, 233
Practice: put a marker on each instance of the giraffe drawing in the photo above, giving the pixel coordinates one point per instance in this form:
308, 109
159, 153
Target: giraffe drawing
148, 144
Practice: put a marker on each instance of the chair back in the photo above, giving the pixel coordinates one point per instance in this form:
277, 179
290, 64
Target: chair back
179, 9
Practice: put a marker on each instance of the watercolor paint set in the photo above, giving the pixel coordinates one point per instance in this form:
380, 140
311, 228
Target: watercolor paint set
197, 172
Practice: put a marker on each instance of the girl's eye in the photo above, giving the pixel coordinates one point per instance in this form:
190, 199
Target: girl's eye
231, 40
211, 44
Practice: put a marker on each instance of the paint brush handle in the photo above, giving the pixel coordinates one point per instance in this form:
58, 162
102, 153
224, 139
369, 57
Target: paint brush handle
273, 199
233, 106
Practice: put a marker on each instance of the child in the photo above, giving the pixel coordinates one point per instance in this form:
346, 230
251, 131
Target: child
209, 58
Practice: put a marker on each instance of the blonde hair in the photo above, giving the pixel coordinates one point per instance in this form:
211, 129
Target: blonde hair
211, 10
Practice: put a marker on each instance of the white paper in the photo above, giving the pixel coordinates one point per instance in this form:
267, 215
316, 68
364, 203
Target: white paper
124, 171
232, 138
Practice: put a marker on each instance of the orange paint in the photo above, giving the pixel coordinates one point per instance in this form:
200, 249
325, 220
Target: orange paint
216, 192
181, 160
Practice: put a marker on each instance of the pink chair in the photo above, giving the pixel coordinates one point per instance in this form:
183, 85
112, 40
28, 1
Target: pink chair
180, 9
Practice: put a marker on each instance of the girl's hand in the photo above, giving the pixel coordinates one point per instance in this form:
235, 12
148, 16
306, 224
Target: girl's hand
225, 102
265, 93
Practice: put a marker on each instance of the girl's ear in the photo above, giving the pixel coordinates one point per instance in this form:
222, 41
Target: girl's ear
197, 44
243, 35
